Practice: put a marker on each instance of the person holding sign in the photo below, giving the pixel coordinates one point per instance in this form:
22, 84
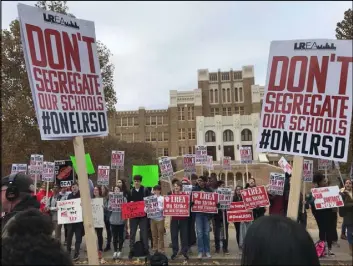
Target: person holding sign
97, 193
116, 222
347, 212
259, 211
76, 229
138, 192
325, 218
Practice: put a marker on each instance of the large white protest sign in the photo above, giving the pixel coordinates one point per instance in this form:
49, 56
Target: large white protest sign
286, 167
189, 164
18, 168
64, 74
98, 212
323, 165
69, 211
226, 166
117, 160
166, 167
36, 164
308, 170
201, 154
103, 175
245, 155
307, 106
48, 174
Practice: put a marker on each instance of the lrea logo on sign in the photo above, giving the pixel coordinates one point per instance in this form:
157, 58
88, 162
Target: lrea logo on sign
314, 46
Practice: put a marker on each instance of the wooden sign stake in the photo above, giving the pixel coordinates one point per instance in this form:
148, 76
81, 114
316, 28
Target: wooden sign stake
90, 234
295, 188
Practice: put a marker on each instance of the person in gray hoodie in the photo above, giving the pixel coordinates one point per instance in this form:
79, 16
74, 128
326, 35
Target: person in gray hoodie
117, 226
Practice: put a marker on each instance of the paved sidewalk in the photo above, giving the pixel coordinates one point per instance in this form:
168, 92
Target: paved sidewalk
341, 253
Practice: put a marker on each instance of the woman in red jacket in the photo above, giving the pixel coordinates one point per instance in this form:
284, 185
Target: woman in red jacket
42, 198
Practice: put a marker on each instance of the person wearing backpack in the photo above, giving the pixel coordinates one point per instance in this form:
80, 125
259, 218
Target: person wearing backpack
138, 192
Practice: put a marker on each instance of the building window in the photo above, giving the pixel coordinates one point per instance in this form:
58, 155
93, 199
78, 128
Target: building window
239, 110
191, 115
118, 136
181, 151
165, 152
148, 120
124, 121
211, 96
246, 135
153, 120
228, 95
228, 135
227, 111
160, 136
191, 133
225, 76
153, 136
136, 121
241, 95
148, 136
237, 75
159, 120
165, 136
181, 133
181, 114
214, 111
213, 77
216, 96
191, 149
160, 152
210, 136
224, 95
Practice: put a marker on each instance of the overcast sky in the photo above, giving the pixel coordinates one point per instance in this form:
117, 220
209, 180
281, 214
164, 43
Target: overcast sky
158, 46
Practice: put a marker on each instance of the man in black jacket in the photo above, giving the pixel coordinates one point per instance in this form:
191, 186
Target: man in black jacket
75, 228
138, 192
16, 196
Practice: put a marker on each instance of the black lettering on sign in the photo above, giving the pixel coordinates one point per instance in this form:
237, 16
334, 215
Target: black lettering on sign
73, 122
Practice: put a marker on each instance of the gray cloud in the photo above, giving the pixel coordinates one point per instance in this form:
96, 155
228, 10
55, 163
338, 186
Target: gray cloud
158, 46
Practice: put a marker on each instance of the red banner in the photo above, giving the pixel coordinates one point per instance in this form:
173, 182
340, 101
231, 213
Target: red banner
255, 197
177, 205
237, 206
133, 210
240, 216
205, 202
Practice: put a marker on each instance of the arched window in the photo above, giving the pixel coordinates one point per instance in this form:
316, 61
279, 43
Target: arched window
210, 136
216, 96
211, 96
228, 135
223, 95
239, 178
228, 96
246, 135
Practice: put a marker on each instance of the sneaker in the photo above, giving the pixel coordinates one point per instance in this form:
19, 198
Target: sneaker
76, 257
119, 255
115, 255
173, 257
208, 255
330, 253
99, 254
226, 252
131, 254
199, 256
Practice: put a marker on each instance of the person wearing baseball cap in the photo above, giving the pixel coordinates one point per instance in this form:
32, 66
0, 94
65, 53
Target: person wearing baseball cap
16, 195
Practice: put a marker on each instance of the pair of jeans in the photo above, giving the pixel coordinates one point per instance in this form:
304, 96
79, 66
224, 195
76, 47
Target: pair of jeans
157, 230
77, 230
99, 233
181, 226
142, 223
118, 231
203, 232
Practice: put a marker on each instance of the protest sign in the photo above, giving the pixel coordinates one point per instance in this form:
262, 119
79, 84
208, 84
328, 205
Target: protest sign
307, 107
276, 184
205, 202
18, 168
98, 212
240, 216
351, 172
176, 205
189, 164
166, 168
115, 201
200, 154
149, 172
324, 165
226, 163
64, 74
187, 189
88, 162
132, 210
245, 155
237, 206
308, 171
286, 167
118, 160
48, 174
151, 207
103, 175
224, 198
36, 163
327, 197
209, 163
69, 211
255, 197
64, 173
